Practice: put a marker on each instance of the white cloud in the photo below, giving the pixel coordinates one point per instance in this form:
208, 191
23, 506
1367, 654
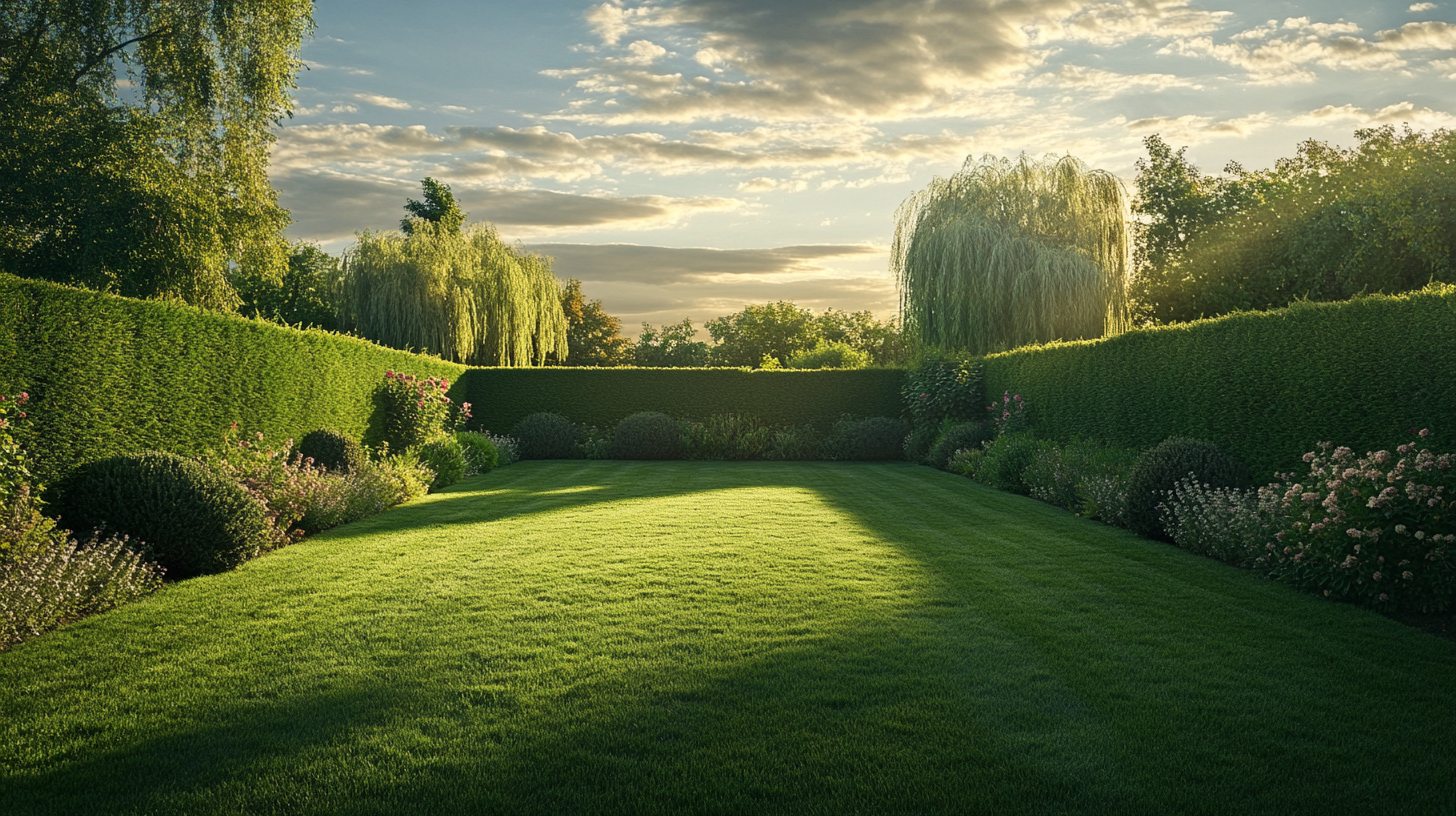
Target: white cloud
1400, 113
1097, 84
383, 101
1419, 37
644, 52
1422, 6
1192, 129
1115, 23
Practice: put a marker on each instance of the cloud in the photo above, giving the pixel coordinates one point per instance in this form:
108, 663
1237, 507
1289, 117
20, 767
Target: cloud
1422, 6
1096, 84
1191, 129
1400, 113
869, 60
1277, 53
665, 284
383, 101
763, 184
332, 206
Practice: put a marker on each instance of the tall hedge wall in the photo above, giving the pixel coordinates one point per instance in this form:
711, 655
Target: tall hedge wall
110, 375
603, 396
1267, 386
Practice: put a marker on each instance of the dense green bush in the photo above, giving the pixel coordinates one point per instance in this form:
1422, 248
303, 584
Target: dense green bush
648, 435
955, 436
416, 409
730, 436
481, 454
865, 440
192, 521
830, 355
602, 397
546, 436
1160, 469
919, 441
445, 458
110, 375
332, 450
940, 387
1086, 477
1264, 386
797, 444
1003, 465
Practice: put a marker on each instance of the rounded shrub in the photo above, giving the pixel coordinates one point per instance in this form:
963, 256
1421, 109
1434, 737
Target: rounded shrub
917, 443
481, 454
649, 435
958, 436
1003, 464
545, 436
864, 440
192, 520
1160, 468
332, 450
445, 457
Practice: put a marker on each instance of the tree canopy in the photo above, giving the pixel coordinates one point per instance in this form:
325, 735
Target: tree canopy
672, 346
1007, 253
136, 136
1327, 224
593, 337
438, 207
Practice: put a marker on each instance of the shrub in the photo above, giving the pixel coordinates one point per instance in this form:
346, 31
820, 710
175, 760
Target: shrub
1377, 530
331, 449
481, 454
14, 469
830, 355
1159, 469
955, 436
800, 443
1003, 465
417, 410
862, 440
1224, 523
730, 436
193, 520
649, 435
546, 436
368, 490
965, 462
60, 579
507, 446
445, 458
918, 442
281, 481
593, 444
1086, 477
940, 387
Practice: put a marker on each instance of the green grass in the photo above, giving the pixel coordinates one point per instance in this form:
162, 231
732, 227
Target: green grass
729, 638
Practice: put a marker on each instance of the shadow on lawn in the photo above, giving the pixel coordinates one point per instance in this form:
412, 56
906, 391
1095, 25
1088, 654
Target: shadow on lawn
1008, 685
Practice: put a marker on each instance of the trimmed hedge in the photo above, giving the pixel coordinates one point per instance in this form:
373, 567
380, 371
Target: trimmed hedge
111, 375
603, 397
1265, 386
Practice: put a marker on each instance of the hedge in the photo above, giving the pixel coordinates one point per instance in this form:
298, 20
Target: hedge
110, 375
604, 396
1266, 386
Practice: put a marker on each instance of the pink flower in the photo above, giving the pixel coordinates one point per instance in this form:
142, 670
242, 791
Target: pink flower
1425, 432
422, 403
1352, 533
389, 375
1375, 575
25, 397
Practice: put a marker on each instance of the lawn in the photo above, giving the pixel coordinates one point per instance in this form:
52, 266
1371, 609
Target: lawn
695, 637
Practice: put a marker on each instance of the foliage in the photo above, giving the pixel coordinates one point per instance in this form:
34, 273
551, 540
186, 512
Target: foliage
303, 297
593, 337
1159, 469
958, 436
506, 446
15, 472
418, 410
331, 449
1004, 253
799, 443
829, 355
48, 579
463, 295
1003, 463
1327, 224
602, 397
919, 441
481, 454
136, 141
671, 346
778, 330
1009, 415
194, 521
438, 208
881, 341
546, 435
649, 435
865, 440
1228, 524
108, 375
279, 479
1086, 477
730, 436
1266, 387
445, 457
373, 487
940, 387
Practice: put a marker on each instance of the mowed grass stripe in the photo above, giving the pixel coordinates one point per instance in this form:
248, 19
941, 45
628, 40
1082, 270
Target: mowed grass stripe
601, 637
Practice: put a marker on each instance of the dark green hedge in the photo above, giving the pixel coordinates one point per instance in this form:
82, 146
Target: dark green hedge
604, 396
112, 375
1266, 386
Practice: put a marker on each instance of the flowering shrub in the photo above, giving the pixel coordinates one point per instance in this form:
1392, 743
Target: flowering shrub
14, 472
481, 455
965, 461
942, 387
1004, 462
1225, 523
281, 481
1377, 530
956, 436
417, 409
507, 446
1009, 416
1088, 478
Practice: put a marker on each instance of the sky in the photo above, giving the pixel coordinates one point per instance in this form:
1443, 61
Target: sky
684, 158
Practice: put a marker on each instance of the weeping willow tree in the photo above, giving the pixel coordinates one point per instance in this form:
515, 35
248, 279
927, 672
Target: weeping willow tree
1006, 253
464, 295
